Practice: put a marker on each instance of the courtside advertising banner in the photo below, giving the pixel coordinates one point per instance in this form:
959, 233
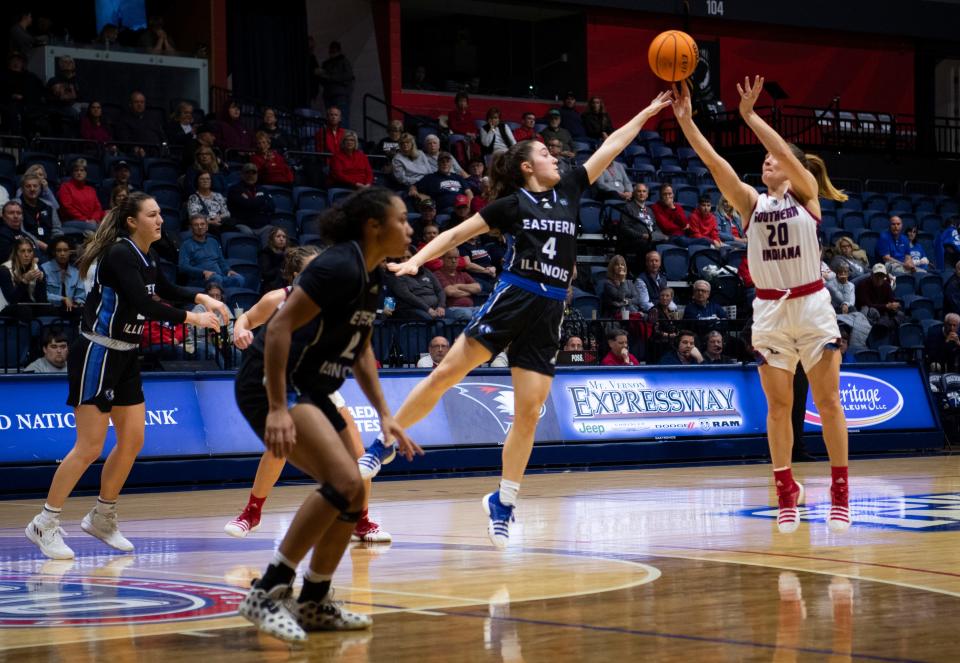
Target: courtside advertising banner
189, 416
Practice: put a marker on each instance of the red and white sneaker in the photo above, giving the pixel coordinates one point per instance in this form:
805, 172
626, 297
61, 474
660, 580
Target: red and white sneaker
839, 518
788, 519
248, 521
370, 532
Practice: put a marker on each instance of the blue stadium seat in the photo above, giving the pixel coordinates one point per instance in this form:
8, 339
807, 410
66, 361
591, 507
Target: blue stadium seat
8, 165
287, 221
867, 239
308, 198
676, 263
238, 245
16, 343
866, 356
851, 221
250, 271
161, 170
590, 218
413, 338
587, 305
906, 285
336, 193
243, 298
911, 335
308, 221
931, 223
282, 198
166, 194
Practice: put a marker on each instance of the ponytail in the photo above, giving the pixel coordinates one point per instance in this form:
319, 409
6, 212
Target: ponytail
816, 165
505, 173
112, 228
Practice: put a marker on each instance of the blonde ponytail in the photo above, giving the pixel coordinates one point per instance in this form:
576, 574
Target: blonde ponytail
825, 187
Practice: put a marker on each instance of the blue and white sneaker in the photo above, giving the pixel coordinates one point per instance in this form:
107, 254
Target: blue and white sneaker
501, 516
376, 456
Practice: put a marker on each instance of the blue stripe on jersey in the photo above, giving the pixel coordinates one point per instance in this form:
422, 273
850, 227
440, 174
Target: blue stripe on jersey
108, 306
510, 254
537, 288
91, 371
498, 289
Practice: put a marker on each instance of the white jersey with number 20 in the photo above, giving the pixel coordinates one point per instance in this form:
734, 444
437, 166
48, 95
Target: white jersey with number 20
782, 244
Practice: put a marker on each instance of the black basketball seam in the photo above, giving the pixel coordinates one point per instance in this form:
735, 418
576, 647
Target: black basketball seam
673, 34
657, 60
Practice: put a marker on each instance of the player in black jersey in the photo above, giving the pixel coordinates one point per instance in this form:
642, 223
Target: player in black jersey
300, 357
104, 370
536, 210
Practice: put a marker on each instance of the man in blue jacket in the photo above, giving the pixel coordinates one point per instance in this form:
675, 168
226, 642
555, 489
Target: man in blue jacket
201, 258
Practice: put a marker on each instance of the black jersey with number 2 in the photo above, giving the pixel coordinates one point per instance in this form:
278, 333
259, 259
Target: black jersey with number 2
541, 232
323, 351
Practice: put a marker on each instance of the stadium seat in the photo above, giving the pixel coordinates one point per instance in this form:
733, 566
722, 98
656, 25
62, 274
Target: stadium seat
166, 194
243, 298
238, 245
250, 271
588, 305
336, 193
852, 221
8, 165
308, 198
308, 221
16, 344
867, 356
282, 198
590, 218
911, 335
906, 285
867, 239
931, 223
413, 338
287, 221
676, 264
161, 170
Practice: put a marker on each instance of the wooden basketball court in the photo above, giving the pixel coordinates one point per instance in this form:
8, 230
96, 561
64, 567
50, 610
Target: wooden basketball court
678, 564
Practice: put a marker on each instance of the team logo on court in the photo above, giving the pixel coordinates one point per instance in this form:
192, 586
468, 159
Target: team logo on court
496, 399
867, 401
918, 513
37, 600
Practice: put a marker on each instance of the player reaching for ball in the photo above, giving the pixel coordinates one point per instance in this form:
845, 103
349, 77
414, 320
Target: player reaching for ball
536, 209
792, 316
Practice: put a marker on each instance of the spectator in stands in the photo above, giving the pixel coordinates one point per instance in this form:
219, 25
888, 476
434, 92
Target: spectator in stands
180, 129
729, 224
670, 217
118, 194
272, 168
349, 166
79, 200
651, 282
495, 136
233, 132
614, 183
428, 216
63, 282
21, 109
479, 262
92, 124
713, 352
893, 249
437, 350
460, 212
389, 145
12, 229
201, 258
685, 353
46, 194
917, 254
206, 140
700, 306
636, 228
663, 317
528, 128
21, 279
205, 343
948, 244
951, 289
40, 220
554, 130
476, 172
63, 93
485, 197
431, 147
842, 290
206, 162
573, 344
19, 38
619, 354
137, 127
55, 351
875, 296
703, 224
853, 257
846, 352
570, 116
107, 37
420, 81
596, 121
461, 122
419, 297
410, 164
943, 344
271, 259
336, 76
250, 205
458, 287
330, 136
555, 147
573, 322
209, 204
443, 186
121, 175
279, 138
620, 296
155, 39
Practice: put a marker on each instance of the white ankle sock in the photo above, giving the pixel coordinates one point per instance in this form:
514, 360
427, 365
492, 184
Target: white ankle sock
508, 492
49, 513
104, 507
279, 559
314, 576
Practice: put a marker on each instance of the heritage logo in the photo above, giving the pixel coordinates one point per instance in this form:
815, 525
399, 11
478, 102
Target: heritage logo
867, 401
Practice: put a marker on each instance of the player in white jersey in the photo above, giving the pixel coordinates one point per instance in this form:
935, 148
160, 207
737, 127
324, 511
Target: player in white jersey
793, 318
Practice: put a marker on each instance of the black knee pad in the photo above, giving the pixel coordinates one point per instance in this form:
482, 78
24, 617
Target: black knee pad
332, 495
350, 516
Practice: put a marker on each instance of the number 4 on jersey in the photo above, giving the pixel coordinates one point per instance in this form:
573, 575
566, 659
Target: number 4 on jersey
550, 248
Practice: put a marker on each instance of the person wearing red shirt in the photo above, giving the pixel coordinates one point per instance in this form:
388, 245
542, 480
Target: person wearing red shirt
703, 224
350, 167
78, 200
92, 126
431, 230
458, 286
619, 354
330, 136
272, 168
669, 215
527, 129
461, 121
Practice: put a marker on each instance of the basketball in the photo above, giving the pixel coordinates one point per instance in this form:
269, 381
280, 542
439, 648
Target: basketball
673, 55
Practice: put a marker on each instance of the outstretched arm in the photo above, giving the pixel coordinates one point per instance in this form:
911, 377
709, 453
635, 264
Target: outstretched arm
619, 139
802, 181
741, 196
448, 239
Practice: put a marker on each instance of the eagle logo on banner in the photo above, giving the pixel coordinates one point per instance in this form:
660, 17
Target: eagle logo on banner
495, 399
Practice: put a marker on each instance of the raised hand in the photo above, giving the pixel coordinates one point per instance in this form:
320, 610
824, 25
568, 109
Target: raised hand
749, 93
408, 268
682, 108
660, 102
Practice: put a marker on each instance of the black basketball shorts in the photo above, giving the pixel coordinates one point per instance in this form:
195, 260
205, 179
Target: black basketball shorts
102, 376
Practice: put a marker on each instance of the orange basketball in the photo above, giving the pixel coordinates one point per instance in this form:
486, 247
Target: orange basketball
673, 55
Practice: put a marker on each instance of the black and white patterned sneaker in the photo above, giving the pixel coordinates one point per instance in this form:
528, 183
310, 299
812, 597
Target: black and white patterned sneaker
327, 615
269, 613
